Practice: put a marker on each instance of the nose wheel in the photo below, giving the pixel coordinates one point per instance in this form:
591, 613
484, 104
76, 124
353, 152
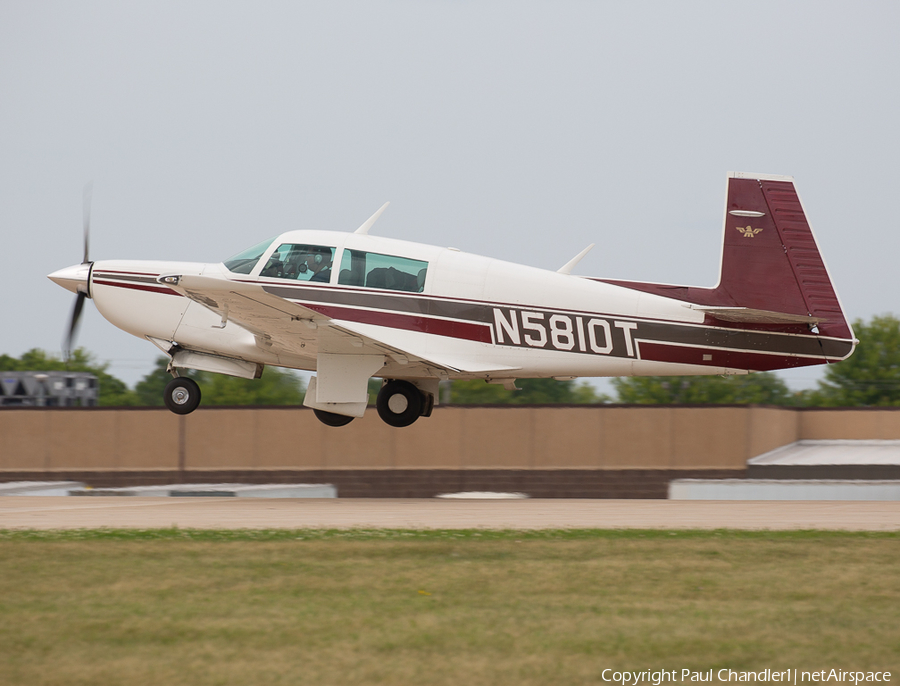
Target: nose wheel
182, 395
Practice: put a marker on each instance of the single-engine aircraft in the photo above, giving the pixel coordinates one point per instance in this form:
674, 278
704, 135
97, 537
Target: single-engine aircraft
351, 306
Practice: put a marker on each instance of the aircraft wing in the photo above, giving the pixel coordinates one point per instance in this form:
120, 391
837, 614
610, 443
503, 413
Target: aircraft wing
290, 327
400, 341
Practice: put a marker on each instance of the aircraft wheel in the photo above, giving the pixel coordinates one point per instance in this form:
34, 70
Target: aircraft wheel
332, 419
182, 395
399, 403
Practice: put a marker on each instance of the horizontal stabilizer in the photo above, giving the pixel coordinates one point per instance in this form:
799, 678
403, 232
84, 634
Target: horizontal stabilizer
753, 316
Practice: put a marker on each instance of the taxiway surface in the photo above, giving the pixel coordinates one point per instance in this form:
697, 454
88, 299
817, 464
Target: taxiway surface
343, 513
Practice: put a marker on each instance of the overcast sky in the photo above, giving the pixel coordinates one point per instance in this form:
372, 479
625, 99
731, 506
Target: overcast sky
518, 130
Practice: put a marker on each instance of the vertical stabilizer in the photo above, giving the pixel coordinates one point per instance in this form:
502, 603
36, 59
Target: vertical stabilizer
771, 262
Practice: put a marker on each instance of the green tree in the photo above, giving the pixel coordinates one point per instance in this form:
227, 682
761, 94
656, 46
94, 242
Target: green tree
276, 386
871, 375
112, 391
762, 388
534, 392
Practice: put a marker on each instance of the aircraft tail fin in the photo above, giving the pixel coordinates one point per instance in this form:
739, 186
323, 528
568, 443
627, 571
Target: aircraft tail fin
772, 272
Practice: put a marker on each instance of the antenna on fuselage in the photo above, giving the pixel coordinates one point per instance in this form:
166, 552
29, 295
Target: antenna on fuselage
364, 229
570, 265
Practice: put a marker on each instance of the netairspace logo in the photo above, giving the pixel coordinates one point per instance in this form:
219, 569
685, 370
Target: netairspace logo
649, 677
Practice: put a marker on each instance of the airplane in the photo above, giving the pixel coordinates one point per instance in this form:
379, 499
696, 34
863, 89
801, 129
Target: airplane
352, 306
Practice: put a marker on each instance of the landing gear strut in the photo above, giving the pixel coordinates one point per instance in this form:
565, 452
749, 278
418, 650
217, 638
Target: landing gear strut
182, 395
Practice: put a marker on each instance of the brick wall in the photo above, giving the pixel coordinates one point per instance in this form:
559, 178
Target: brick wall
552, 451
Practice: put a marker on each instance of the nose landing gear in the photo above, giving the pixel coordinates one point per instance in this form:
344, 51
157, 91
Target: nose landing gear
182, 395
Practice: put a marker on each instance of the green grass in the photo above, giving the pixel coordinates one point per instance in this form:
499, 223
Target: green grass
197, 607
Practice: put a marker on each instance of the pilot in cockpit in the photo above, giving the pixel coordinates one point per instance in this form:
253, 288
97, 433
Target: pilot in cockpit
300, 262
319, 262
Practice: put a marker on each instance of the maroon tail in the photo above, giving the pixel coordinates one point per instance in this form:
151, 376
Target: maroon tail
770, 261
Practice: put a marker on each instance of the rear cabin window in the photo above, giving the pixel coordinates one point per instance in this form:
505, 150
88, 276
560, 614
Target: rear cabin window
373, 270
300, 262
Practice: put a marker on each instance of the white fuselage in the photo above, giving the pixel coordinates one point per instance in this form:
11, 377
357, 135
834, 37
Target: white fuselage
452, 315
493, 313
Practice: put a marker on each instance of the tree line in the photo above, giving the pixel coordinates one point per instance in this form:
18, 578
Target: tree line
276, 386
870, 377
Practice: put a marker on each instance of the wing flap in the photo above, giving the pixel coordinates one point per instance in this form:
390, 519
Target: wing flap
409, 343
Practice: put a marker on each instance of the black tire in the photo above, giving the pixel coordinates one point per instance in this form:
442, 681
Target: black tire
399, 403
332, 419
182, 395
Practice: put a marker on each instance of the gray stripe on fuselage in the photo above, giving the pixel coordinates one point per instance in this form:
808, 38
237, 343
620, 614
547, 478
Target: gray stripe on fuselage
661, 332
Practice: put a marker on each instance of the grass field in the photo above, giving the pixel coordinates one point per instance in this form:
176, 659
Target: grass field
438, 607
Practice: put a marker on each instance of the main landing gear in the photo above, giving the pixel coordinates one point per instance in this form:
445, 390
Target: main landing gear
399, 403
332, 418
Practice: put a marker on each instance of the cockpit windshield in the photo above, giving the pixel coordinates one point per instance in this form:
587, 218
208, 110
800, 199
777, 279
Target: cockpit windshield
244, 262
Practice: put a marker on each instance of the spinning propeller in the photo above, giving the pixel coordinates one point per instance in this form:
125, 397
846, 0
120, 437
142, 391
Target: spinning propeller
77, 277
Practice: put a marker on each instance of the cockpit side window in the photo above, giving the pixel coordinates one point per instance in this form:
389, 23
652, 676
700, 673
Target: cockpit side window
244, 262
300, 262
373, 270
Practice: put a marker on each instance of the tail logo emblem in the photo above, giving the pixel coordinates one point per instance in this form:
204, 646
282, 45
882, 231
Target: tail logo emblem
748, 232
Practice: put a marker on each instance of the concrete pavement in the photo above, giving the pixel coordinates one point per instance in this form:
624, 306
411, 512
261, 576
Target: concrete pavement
233, 513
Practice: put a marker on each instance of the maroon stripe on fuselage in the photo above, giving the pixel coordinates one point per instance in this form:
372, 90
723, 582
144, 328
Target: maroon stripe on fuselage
137, 287
472, 320
719, 357
438, 327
